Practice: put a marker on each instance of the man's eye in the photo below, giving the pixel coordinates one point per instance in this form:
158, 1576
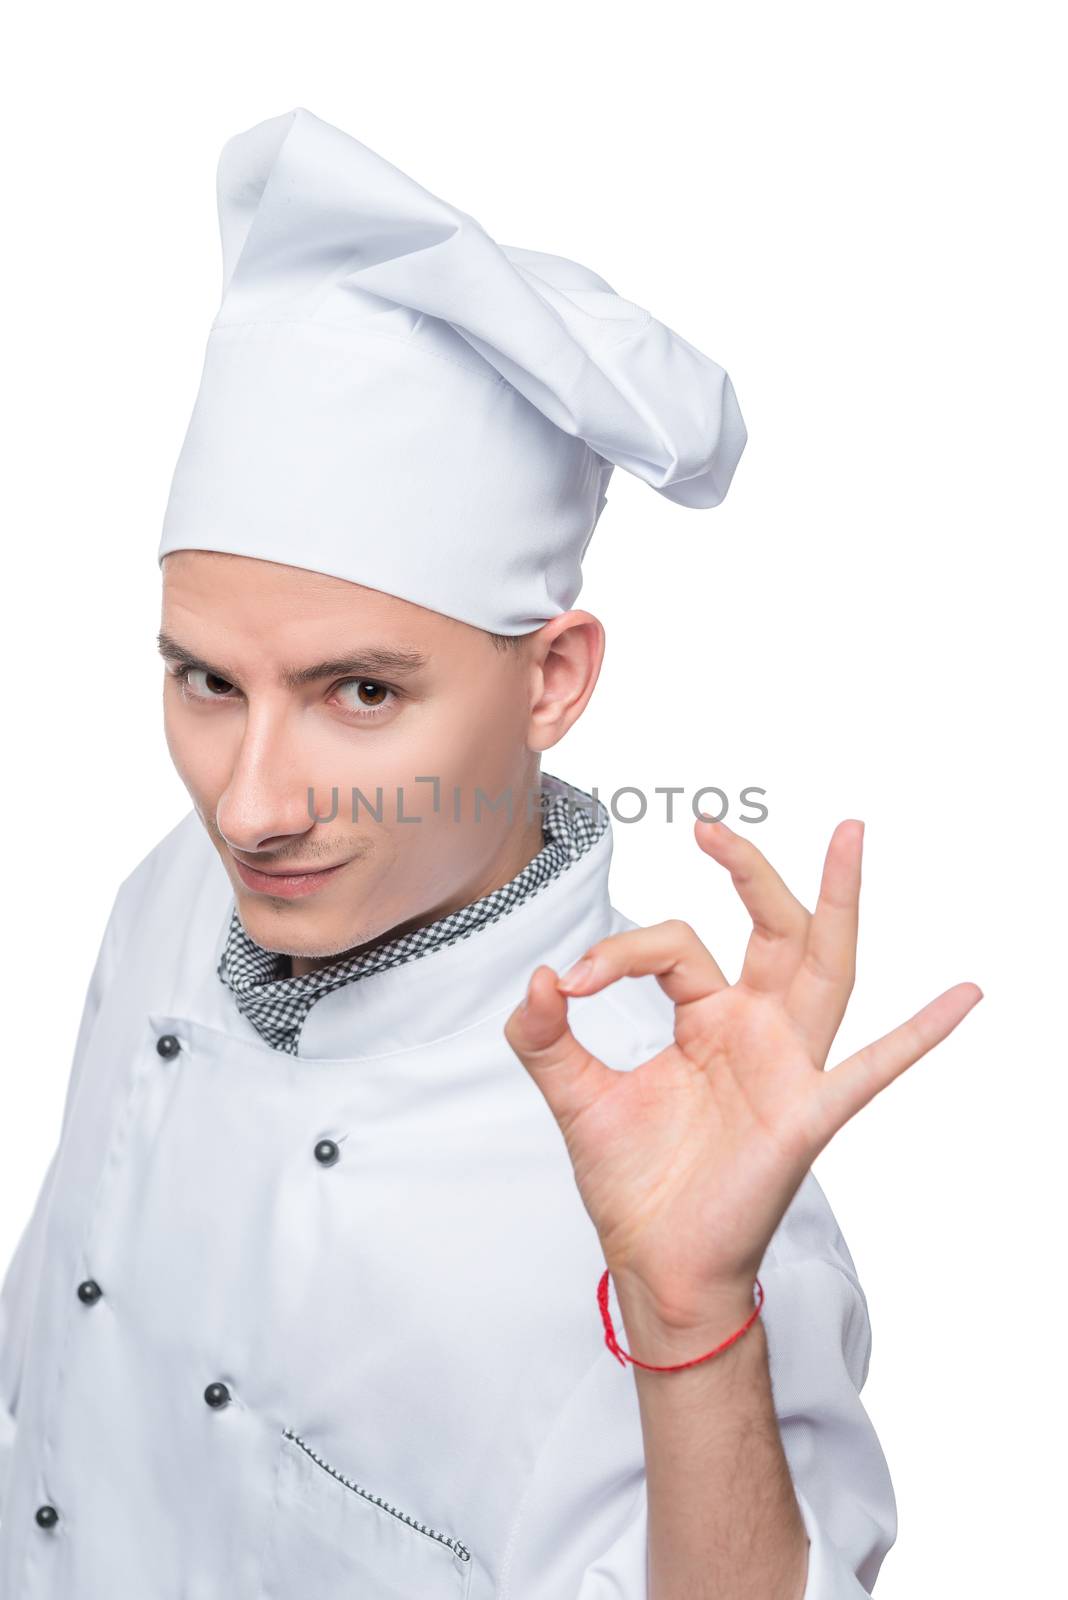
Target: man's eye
204, 685
365, 697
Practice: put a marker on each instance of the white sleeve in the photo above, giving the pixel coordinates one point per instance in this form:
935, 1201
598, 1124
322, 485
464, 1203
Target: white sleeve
18, 1288
819, 1345
582, 1531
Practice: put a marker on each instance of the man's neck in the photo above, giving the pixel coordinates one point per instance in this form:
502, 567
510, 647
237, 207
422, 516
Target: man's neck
518, 849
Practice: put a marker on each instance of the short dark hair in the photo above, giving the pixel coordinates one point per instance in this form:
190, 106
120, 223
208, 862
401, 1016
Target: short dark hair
507, 641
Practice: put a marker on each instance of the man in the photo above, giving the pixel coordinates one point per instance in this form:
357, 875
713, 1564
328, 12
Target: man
306, 1304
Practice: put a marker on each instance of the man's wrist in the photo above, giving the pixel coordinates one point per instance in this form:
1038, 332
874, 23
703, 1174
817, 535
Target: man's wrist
662, 1330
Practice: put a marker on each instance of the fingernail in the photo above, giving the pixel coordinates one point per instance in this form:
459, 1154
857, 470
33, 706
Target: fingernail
577, 975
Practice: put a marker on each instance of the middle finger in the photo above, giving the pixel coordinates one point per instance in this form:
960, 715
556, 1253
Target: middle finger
780, 921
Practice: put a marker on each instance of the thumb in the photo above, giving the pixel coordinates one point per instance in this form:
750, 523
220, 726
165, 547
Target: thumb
567, 1074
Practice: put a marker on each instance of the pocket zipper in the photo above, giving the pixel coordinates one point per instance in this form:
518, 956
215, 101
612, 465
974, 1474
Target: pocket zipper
443, 1538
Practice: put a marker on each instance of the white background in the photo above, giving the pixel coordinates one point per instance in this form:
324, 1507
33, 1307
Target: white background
856, 211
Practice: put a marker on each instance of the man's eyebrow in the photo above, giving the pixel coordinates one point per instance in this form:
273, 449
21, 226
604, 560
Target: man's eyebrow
368, 663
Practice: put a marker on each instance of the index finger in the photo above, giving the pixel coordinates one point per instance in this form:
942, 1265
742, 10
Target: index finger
671, 952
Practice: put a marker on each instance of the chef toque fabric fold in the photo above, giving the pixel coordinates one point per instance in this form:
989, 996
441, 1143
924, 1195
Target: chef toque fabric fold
391, 397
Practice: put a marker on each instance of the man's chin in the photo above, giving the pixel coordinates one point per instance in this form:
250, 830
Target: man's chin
287, 928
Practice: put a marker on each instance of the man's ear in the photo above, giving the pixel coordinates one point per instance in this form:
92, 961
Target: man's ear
565, 661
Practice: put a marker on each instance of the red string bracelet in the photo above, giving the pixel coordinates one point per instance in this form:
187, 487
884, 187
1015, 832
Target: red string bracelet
622, 1356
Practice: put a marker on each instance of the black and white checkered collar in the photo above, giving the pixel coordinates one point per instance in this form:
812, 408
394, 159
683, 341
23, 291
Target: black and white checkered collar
277, 1004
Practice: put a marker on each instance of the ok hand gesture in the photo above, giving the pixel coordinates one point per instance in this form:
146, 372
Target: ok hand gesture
687, 1163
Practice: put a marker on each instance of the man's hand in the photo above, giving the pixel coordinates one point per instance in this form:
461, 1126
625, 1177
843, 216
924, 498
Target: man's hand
687, 1164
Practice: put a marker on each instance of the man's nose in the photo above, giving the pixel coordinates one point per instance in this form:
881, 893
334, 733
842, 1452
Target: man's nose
266, 802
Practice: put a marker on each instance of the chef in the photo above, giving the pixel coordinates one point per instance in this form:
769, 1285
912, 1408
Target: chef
392, 1245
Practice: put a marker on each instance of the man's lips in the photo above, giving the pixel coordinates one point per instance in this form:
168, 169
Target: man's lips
289, 885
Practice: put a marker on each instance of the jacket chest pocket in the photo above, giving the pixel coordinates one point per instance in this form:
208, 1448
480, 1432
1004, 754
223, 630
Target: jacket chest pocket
332, 1538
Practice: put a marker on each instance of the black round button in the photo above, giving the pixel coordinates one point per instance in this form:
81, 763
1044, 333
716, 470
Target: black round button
89, 1292
217, 1394
47, 1516
167, 1045
327, 1152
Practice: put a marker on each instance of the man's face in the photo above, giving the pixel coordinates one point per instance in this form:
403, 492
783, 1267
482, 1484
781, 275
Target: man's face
280, 681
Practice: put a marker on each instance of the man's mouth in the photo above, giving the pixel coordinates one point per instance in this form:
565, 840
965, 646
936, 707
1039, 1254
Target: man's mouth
288, 884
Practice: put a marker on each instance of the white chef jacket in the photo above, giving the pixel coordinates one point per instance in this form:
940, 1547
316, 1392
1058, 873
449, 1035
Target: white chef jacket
418, 1400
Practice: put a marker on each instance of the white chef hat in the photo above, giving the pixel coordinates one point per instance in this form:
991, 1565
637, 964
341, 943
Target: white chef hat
390, 396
